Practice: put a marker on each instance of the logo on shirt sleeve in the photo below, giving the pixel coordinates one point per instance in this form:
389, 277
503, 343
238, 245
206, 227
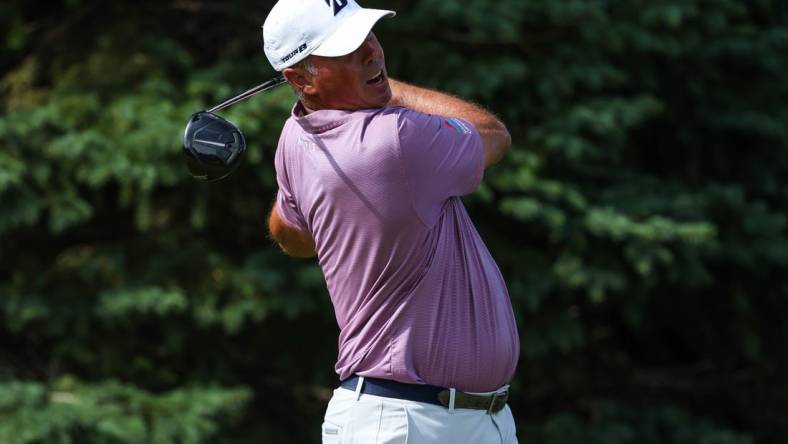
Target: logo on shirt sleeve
457, 125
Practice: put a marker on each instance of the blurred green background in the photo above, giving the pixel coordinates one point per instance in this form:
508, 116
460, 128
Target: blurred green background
639, 220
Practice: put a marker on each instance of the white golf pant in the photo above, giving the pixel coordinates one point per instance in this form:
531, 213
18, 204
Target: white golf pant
369, 419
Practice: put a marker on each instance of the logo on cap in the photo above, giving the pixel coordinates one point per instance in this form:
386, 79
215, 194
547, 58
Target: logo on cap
295, 52
337, 4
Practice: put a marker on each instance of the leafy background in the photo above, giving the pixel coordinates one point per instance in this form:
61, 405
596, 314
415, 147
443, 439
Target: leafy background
639, 220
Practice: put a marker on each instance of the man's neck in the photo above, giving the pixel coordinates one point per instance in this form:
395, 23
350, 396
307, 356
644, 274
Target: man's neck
310, 106
308, 110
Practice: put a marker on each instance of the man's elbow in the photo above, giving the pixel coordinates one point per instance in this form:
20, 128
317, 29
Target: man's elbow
507, 136
290, 241
500, 143
300, 251
292, 246
506, 140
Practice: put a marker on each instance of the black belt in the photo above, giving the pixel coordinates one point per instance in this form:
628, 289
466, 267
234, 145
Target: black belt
427, 393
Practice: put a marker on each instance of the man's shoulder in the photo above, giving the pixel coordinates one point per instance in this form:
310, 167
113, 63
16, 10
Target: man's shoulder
387, 115
404, 114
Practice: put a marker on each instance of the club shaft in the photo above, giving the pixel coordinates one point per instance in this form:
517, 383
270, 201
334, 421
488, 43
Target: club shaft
276, 81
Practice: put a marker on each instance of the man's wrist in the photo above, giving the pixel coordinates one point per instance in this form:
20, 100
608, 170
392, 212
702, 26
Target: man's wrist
403, 94
396, 93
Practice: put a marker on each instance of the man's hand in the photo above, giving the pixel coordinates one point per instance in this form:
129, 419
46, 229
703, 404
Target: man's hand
293, 242
495, 137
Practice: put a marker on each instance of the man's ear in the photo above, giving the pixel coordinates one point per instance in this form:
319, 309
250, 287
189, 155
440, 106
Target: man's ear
297, 78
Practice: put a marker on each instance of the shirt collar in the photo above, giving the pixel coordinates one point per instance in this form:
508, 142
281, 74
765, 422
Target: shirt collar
326, 119
319, 121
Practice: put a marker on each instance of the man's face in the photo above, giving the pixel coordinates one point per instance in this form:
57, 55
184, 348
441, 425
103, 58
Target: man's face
354, 81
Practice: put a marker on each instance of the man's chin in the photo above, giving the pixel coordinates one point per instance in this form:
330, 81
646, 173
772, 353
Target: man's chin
385, 96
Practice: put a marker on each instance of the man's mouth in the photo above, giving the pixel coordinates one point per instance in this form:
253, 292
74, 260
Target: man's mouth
379, 77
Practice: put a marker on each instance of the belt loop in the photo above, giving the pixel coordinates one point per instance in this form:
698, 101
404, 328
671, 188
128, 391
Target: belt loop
452, 398
500, 392
359, 386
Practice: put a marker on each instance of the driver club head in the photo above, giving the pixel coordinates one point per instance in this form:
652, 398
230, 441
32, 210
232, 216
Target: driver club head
213, 146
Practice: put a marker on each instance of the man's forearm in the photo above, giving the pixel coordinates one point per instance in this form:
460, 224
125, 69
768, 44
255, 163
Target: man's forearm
495, 136
430, 101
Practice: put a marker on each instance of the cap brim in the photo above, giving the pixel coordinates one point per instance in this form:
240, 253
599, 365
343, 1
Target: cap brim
352, 33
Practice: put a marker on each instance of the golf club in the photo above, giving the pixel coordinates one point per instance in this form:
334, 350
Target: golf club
214, 146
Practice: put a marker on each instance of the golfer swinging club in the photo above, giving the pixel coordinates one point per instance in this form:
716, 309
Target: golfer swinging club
370, 173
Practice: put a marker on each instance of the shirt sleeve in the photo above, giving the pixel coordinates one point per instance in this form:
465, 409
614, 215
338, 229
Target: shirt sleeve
285, 199
443, 158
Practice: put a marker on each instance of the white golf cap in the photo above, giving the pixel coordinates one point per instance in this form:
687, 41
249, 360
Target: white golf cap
294, 29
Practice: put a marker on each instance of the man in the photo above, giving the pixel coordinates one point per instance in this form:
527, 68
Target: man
370, 173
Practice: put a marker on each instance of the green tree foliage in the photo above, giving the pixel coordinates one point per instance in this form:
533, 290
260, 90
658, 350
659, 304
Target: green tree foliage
639, 220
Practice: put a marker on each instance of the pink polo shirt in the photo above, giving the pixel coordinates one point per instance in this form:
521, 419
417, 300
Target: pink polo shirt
417, 296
